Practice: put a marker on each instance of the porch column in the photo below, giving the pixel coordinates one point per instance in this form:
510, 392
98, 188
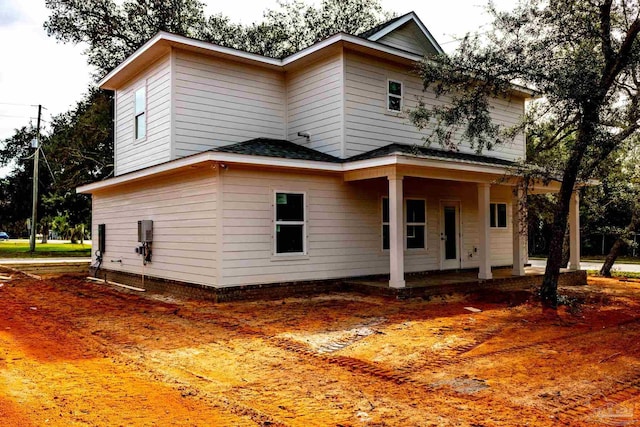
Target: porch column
396, 232
574, 231
484, 231
519, 215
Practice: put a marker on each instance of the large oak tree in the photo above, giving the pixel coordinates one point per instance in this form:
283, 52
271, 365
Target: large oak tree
582, 59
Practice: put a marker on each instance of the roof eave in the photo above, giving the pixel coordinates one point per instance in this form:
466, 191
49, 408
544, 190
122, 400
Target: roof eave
411, 16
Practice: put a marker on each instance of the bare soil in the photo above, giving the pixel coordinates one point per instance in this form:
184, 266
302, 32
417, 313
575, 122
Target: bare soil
74, 353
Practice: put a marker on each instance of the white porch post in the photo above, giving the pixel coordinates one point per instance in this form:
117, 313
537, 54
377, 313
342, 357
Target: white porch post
484, 231
396, 234
574, 232
519, 233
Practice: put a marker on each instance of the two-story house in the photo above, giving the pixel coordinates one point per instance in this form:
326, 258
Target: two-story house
255, 170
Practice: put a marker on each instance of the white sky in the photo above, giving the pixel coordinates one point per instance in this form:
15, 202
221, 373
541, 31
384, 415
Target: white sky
34, 69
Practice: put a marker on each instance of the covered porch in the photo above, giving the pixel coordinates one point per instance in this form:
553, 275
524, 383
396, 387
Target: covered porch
481, 181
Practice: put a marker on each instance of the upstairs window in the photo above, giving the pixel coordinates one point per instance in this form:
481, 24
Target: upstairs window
416, 223
394, 95
140, 113
290, 223
498, 215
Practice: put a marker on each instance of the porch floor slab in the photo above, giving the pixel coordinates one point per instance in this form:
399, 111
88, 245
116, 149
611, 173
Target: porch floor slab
442, 283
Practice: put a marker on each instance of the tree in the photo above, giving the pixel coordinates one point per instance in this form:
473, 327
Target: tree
77, 150
582, 59
113, 30
296, 25
621, 188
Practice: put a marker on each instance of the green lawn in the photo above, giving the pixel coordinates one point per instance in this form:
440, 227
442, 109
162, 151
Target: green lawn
599, 258
11, 249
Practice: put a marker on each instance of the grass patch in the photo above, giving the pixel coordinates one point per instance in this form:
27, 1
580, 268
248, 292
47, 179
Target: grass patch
600, 258
616, 273
43, 250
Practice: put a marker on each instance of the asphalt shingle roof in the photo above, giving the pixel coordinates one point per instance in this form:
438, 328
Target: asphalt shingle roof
289, 150
277, 148
421, 151
372, 31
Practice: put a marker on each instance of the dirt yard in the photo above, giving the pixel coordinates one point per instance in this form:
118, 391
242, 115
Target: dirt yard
74, 353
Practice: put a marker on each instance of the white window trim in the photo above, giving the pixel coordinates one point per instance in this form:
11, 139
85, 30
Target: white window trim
289, 255
407, 224
495, 206
144, 112
389, 94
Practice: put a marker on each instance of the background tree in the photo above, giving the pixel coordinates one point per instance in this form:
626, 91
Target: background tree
581, 58
79, 143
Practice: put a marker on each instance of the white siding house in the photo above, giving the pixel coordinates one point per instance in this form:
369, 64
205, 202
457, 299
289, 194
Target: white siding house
257, 170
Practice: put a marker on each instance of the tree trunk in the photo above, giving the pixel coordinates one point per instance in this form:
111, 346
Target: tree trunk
549, 287
45, 232
620, 244
617, 247
566, 250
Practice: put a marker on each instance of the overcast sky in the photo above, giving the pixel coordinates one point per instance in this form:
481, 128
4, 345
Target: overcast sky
37, 70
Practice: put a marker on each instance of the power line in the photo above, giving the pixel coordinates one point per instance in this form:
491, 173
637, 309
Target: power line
15, 104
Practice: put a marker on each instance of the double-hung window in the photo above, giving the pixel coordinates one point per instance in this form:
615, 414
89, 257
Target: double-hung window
290, 223
498, 215
394, 96
140, 113
416, 223
385, 223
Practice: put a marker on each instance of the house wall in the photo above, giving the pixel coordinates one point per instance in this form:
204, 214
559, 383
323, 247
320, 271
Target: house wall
183, 208
408, 38
344, 228
368, 124
315, 104
220, 102
155, 147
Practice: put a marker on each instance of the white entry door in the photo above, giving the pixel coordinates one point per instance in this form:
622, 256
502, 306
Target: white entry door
450, 234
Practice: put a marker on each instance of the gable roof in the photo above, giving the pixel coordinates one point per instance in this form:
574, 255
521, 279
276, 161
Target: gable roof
378, 32
367, 42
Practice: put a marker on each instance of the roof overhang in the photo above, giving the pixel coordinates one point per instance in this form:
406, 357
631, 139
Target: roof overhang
420, 166
411, 16
162, 42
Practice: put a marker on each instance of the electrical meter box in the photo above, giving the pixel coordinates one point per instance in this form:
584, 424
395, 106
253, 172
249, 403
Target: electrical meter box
145, 231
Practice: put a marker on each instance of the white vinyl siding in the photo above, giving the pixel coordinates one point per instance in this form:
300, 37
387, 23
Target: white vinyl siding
314, 103
220, 102
408, 38
155, 146
344, 232
183, 208
369, 124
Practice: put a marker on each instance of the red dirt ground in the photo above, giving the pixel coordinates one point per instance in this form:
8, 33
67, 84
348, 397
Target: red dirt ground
74, 353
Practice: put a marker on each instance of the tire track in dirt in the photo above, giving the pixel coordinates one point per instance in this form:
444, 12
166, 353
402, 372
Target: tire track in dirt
581, 406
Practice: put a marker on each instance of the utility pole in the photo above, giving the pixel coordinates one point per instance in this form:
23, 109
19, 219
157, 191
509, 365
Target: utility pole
34, 207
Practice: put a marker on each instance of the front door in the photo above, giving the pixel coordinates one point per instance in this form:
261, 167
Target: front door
450, 234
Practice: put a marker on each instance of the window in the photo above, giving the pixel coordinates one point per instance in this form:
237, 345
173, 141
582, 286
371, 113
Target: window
290, 223
394, 95
498, 215
416, 223
140, 113
385, 223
